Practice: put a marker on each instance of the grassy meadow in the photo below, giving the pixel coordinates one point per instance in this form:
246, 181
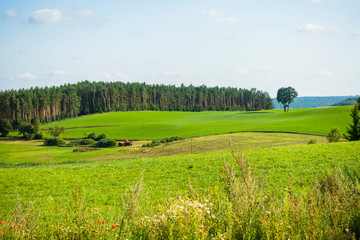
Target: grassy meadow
17, 152
158, 125
277, 186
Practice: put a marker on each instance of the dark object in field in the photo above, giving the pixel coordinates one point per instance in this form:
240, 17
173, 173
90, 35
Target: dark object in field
86, 149
125, 143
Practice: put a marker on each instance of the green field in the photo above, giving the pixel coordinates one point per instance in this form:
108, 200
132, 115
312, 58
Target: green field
26, 153
103, 183
157, 125
282, 165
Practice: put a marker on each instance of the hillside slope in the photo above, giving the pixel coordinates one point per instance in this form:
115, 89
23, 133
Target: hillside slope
158, 125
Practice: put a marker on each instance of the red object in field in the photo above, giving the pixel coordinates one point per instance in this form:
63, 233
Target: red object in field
120, 144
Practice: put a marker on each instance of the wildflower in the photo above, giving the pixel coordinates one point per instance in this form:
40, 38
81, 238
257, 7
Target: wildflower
1, 232
15, 227
291, 199
113, 227
96, 221
2, 222
282, 199
90, 228
293, 203
268, 212
102, 222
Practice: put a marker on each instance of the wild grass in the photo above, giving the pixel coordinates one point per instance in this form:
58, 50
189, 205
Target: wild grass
240, 207
158, 125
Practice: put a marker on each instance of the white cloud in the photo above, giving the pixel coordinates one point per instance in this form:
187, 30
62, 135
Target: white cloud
113, 76
11, 14
312, 27
27, 76
59, 73
357, 33
316, 1
84, 13
210, 13
325, 74
232, 21
242, 71
75, 57
225, 20
46, 16
173, 74
321, 1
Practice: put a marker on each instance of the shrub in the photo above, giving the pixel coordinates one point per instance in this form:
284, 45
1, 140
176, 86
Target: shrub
100, 137
38, 135
312, 141
54, 141
86, 141
154, 143
75, 142
27, 129
56, 131
5, 127
334, 135
106, 143
92, 135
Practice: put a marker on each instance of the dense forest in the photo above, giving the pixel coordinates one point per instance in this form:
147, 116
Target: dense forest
70, 100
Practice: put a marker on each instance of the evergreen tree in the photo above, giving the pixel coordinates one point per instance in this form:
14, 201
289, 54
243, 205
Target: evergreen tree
354, 129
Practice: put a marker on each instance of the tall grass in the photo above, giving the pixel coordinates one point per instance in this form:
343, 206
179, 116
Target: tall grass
240, 208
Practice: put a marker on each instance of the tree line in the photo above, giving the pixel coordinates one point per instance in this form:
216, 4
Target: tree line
70, 100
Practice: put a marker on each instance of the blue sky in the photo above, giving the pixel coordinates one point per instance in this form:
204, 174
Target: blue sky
311, 45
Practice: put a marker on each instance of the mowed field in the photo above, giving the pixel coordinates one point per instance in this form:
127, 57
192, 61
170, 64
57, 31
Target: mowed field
158, 125
21, 153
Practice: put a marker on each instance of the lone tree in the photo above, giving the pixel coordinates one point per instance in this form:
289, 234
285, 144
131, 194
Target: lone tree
354, 129
285, 96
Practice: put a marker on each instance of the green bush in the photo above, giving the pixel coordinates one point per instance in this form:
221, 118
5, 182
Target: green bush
38, 135
75, 142
106, 143
92, 135
86, 141
334, 135
312, 141
100, 137
155, 143
54, 141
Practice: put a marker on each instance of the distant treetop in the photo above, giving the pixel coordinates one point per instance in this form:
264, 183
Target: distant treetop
70, 100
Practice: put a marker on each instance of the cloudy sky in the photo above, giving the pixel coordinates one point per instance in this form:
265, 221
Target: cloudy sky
311, 45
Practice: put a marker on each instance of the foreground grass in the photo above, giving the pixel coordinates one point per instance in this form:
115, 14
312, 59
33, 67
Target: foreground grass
233, 203
158, 125
25, 153
103, 183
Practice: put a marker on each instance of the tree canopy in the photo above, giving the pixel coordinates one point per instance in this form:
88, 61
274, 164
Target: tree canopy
285, 96
70, 100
